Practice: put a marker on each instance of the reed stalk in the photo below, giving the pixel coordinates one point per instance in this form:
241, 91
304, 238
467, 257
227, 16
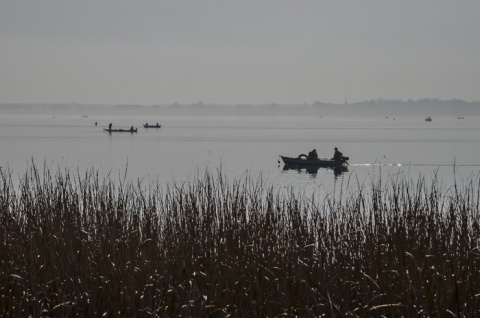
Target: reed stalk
80, 245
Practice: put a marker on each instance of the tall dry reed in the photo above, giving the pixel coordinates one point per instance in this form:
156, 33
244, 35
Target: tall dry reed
83, 245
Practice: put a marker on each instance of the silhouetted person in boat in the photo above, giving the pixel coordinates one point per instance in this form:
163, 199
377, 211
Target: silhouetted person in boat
131, 128
110, 126
313, 154
157, 124
337, 156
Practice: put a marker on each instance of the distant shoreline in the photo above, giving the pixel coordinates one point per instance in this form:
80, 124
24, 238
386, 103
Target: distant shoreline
424, 107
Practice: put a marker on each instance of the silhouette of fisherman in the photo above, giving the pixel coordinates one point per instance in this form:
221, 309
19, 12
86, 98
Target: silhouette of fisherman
313, 154
110, 126
337, 156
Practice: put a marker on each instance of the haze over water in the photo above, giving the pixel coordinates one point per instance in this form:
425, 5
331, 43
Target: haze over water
378, 146
245, 53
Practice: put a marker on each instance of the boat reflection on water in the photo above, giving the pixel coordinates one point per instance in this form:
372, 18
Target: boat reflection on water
337, 171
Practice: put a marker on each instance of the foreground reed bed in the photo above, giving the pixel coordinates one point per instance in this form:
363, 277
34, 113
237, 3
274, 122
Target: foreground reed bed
81, 245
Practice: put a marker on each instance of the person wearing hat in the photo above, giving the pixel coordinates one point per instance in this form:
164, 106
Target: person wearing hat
337, 156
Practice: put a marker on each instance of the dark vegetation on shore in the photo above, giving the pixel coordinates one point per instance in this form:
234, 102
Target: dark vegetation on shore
81, 245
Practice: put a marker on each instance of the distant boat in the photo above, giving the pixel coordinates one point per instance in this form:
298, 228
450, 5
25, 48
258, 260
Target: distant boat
428, 118
152, 126
461, 117
121, 130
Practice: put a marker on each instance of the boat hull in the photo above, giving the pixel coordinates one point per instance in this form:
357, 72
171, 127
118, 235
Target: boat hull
150, 126
121, 130
301, 162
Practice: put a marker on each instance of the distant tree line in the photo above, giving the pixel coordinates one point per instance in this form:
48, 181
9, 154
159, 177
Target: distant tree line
424, 107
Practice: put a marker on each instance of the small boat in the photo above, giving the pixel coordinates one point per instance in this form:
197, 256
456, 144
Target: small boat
152, 126
461, 117
121, 130
428, 118
303, 161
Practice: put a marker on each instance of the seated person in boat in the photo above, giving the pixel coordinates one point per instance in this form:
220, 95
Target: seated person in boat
313, 154
337, 156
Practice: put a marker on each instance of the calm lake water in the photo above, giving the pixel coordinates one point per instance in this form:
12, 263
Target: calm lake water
447, 147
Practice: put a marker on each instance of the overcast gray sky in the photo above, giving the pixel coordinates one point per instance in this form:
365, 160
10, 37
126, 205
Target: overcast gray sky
264, 51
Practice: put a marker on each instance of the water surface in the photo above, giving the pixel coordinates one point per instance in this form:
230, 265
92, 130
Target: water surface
447, 147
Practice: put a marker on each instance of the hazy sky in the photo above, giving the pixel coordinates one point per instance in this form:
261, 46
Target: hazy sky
264, 51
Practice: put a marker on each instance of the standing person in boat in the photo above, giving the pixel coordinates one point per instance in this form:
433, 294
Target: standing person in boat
337, 156
110, 126
313, 154
131, 128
